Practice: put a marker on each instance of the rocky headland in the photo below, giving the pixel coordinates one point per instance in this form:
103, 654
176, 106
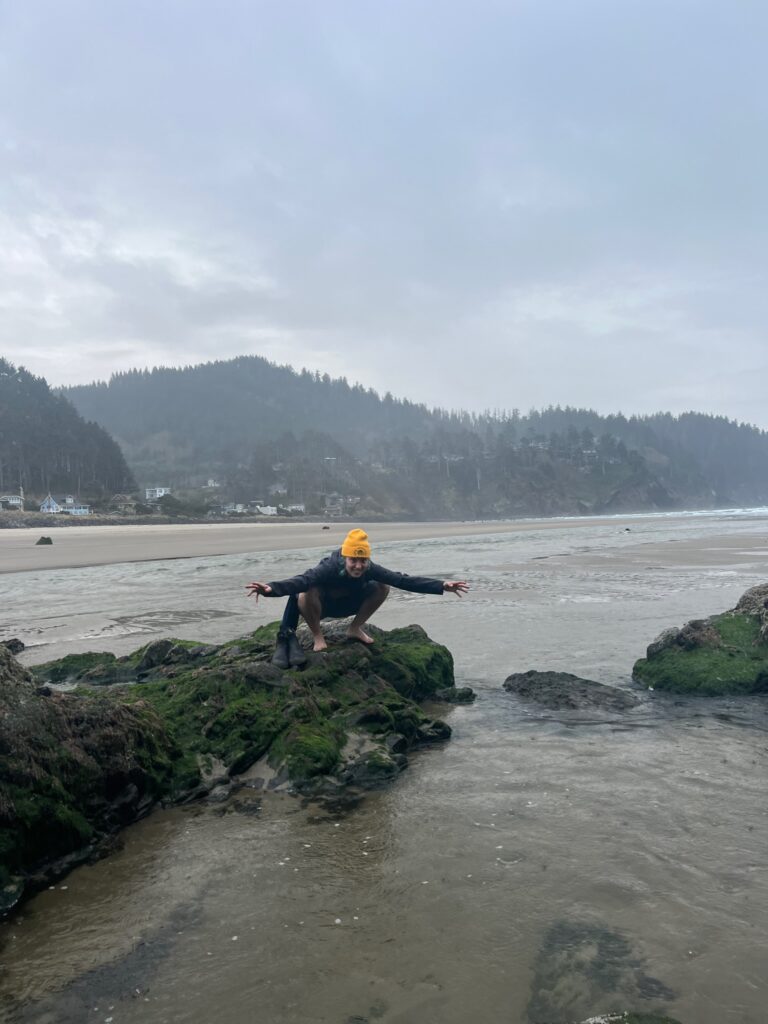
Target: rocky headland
92, 742
724, 654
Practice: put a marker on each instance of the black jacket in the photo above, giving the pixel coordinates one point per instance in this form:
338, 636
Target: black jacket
331, 575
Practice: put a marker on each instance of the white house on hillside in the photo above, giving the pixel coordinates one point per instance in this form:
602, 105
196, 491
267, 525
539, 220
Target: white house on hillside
14, 501
155, 493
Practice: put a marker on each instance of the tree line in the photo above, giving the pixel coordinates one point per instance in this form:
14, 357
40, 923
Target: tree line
257, 425
47, 446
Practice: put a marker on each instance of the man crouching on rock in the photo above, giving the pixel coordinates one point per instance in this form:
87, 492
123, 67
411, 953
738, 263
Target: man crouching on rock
345, 583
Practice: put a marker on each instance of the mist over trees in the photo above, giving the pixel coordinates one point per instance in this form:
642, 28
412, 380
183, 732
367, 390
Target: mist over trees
262, 428
46, 445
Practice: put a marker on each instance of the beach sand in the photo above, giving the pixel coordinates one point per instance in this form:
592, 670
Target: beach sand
78, 546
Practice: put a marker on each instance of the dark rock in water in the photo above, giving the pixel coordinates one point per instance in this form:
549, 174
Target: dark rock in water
584, 969
14, 645
44, 540
724, 654
76, 766
456, 695
563, 691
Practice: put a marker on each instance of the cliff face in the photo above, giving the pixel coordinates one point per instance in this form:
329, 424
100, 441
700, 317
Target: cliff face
177, 720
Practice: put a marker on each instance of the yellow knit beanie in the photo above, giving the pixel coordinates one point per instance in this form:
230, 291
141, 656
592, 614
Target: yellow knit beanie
356, 545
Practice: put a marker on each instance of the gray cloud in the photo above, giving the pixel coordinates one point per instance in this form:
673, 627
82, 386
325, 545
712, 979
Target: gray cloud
483, 205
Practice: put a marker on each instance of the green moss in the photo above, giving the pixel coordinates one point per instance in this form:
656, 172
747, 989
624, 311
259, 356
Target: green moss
215, 714
409, 661
72, 667
739, 666
739, 632
309, 749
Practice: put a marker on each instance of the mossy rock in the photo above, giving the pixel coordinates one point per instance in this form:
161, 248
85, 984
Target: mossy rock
147, 727
724, 654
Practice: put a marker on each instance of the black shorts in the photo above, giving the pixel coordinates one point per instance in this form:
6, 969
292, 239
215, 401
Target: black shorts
341, 606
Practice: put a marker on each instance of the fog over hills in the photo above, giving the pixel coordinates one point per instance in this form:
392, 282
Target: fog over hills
262, 428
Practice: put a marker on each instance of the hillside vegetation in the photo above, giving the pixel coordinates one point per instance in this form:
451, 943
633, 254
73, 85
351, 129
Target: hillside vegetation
261, 428
46, 445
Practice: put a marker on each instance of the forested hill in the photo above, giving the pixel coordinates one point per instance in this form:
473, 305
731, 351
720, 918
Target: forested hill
46, 445
223, 407
257, 426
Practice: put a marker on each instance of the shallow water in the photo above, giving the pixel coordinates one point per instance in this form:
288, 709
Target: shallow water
538, 867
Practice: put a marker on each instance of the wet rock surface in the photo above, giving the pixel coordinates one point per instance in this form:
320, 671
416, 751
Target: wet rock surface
175, 720
721, 655
563, 691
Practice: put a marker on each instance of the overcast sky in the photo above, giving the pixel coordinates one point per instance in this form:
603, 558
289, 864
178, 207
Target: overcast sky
473, 204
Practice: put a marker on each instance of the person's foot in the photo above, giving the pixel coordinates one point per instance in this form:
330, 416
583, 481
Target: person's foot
319, 644
358, 633
296, 655
281, 657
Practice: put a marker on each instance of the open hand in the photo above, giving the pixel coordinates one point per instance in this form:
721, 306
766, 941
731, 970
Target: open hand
457, 587
254, 589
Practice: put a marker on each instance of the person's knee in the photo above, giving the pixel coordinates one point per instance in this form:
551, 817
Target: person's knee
382, 590
309, 599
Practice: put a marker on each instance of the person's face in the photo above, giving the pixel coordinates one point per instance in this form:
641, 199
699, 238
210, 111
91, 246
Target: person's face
355, 566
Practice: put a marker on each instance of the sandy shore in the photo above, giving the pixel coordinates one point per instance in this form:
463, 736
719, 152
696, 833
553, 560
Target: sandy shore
79, 546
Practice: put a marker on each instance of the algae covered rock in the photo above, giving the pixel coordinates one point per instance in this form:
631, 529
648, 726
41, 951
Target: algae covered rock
175, 719
71, 771
723, 654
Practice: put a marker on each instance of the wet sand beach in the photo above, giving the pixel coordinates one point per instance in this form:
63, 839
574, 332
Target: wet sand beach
81, 546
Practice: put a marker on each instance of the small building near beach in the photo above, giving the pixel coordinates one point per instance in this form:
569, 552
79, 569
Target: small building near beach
50, 505
66, 504
123, 503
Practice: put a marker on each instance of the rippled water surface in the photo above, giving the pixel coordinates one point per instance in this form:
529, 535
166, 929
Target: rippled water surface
539, 867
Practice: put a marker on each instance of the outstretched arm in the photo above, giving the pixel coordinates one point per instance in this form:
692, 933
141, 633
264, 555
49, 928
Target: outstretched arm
457, 587
296, 584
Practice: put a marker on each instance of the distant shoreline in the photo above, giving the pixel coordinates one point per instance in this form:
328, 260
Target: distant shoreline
80, 546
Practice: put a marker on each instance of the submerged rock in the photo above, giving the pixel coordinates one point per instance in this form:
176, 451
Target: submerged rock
584, 969
724, 654
563, 691
176, 720
631, 1018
